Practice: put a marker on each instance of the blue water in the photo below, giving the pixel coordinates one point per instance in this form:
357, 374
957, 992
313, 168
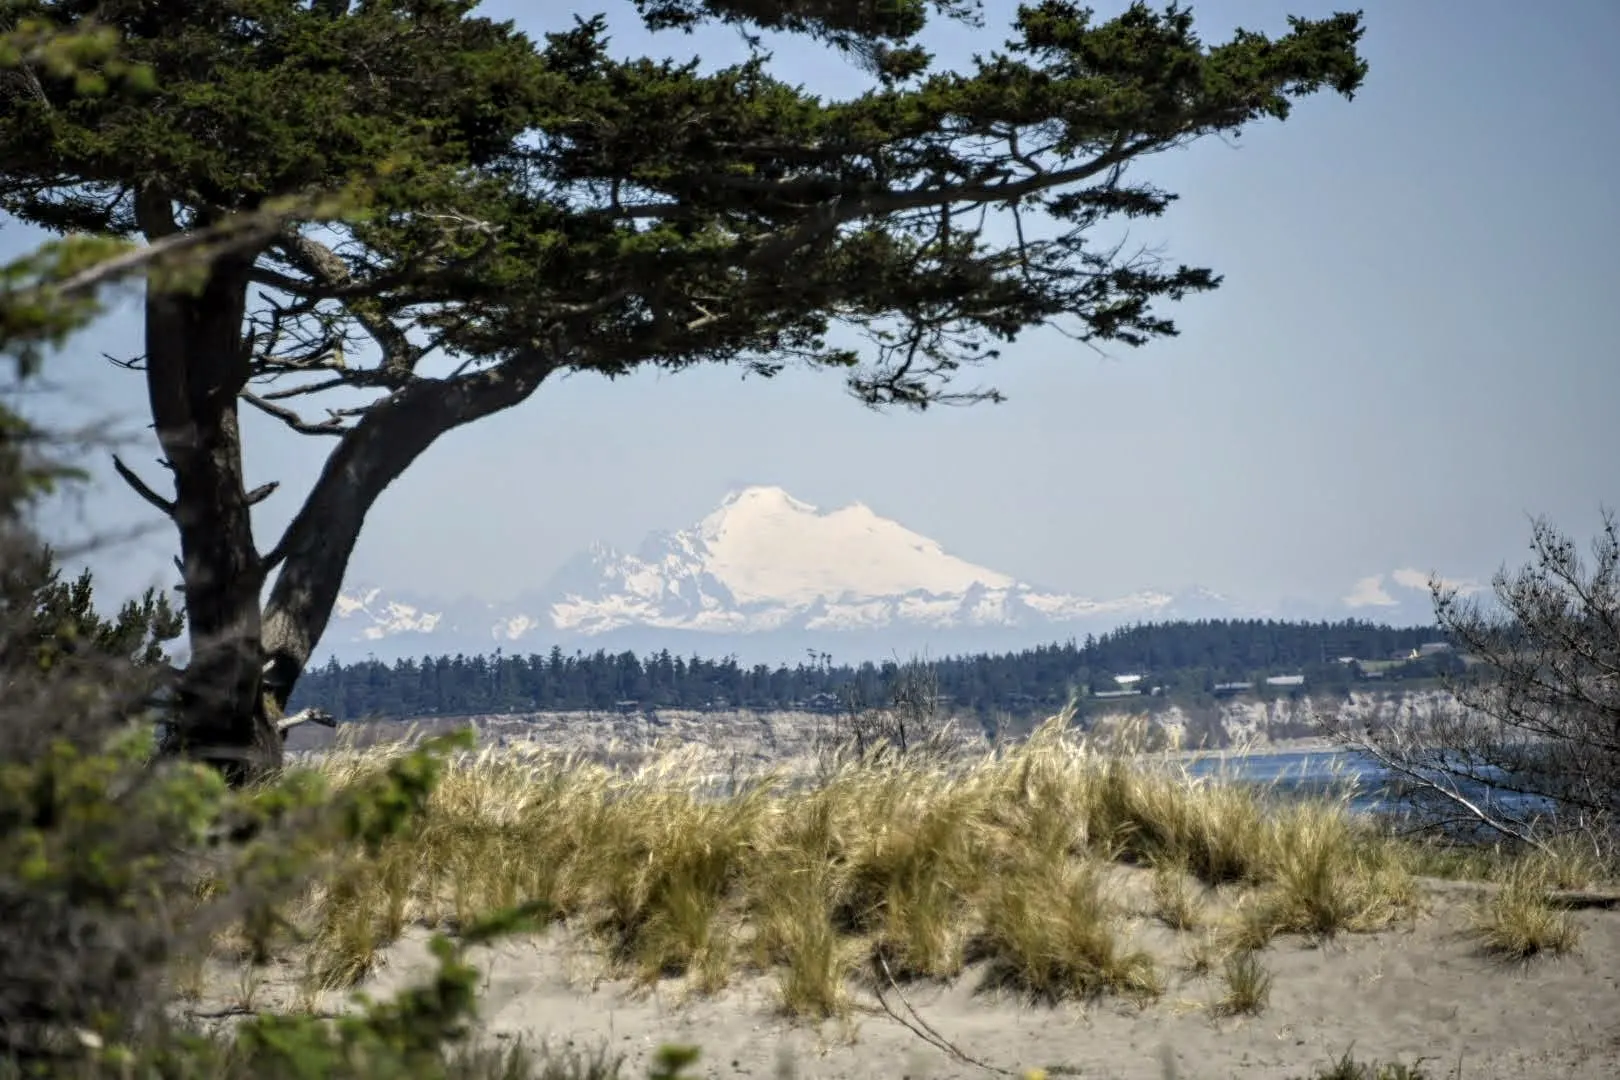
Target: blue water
1366, 786
1371, 787
1305, 772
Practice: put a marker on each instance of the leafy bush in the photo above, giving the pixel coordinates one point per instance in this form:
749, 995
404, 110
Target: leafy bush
117, 866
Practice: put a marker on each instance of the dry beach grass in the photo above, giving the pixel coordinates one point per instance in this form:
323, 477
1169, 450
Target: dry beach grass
1051, 904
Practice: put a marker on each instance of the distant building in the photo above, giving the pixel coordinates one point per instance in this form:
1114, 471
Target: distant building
1127, 680
1227, 689
1286, 680
1433, 647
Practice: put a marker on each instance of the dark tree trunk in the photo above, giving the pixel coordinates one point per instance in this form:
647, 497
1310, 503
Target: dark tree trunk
196, 365
319, 541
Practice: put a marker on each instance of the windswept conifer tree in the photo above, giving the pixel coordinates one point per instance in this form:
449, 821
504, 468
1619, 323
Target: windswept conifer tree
528, 209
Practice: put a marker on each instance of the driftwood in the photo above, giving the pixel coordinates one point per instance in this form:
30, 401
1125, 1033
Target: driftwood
1584, 901
1566, 899
304, 716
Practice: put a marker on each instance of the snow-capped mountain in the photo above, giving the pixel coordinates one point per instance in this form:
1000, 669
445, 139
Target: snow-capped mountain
763, 571
765, 577
765, 562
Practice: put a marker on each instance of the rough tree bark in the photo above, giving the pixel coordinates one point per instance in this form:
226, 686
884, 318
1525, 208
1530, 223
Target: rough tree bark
196, 365
313, 554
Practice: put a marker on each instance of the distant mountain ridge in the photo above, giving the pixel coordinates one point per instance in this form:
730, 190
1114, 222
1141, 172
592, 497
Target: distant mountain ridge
767, 575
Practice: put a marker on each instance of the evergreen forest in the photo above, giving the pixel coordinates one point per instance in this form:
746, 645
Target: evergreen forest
1188, 662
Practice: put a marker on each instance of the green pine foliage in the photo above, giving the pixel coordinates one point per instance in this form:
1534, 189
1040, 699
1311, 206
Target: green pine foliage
62, 624
115, 866
510, 211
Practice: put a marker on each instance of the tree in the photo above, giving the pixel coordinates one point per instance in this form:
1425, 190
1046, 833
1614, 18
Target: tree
63, 625
103, 849
1532, 751
532, 209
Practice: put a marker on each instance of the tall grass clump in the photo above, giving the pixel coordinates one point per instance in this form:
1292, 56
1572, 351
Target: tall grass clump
1050, 932
1327, 875
909, 865
1176, 897
796, 888
1247, 985
1216, 830
667, 867
1518, 921
915, 858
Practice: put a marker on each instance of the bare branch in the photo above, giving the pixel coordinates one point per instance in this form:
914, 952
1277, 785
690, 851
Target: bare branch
1400, 766
164, 506
1538, 705
262, 492
134, 364
332, 426
307, 388
922, 1028
305, 716
315, 258
263, 275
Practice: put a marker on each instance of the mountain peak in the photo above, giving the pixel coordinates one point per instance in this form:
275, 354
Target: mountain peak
766, 546
765, 563
766, 498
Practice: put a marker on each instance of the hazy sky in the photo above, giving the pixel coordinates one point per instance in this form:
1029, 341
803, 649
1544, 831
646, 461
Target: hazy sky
1411, 353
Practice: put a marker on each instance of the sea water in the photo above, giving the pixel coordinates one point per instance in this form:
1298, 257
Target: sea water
1371, 788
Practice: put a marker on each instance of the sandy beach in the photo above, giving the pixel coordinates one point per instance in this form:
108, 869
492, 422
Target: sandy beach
1421, 990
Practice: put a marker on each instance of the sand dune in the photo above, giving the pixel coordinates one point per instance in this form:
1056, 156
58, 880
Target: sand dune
1421, 991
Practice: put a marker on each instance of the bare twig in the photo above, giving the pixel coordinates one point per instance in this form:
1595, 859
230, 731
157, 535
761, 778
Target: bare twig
262, 492
925, 1031
305, 716
163, 505
1451, 794
333, 425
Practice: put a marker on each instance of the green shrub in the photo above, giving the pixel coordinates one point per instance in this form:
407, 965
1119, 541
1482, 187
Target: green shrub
117, 867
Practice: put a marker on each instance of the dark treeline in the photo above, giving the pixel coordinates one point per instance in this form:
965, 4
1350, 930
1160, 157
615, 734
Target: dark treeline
1188, 660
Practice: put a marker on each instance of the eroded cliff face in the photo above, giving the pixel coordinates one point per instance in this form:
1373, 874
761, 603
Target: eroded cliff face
744, 741
1251, 722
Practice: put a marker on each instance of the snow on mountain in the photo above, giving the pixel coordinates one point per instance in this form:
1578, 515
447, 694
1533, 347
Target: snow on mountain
763, 567
379, 617
767, 547
764, 561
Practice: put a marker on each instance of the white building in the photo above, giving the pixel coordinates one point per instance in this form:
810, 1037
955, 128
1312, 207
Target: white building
1286, 680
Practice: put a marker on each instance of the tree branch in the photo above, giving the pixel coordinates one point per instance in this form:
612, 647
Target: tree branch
313, 553
334, 425
1451, 794
318, 260
262, 492
164, 506
307, 388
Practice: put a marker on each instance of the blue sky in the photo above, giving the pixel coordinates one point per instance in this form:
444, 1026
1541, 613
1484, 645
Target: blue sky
1410, 355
